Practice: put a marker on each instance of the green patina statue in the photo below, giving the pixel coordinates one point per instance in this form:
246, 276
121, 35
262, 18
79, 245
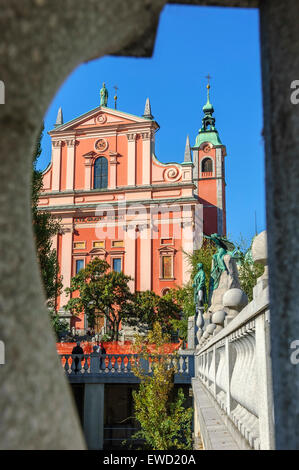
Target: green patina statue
224, 247
104, 96
199, 286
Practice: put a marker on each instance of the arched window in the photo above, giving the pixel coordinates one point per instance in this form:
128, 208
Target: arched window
207, 165
100, 180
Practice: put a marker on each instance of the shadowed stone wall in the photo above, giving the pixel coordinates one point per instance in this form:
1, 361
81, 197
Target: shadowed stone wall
42, 41
280, 66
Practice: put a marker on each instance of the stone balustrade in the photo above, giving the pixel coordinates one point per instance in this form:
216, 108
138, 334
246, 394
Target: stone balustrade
233, 386
116, 367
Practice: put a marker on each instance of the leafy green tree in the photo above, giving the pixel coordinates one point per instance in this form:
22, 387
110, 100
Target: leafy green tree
184, 298
164, 420
45, 227
148, 308
248, 271
101, 293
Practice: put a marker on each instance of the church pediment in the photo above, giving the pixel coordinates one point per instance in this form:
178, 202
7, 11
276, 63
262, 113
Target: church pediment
99, 117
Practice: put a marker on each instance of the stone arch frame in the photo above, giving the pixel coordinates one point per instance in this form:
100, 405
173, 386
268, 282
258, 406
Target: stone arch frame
70, 37
205, 157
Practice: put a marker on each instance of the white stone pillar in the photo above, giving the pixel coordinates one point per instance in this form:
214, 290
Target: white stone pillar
131, 176
146, 258
146, 158
188, 225
87, 175
130, 255
264, 381
56, 164
66, 258
70, 166
93, 423
113, 166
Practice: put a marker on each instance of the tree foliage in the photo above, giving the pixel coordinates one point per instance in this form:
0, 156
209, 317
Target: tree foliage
248, 271
101, 293
164, 420
148, 308
45, 227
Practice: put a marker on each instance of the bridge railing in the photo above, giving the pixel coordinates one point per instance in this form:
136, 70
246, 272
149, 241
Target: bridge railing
122, 365
234, 368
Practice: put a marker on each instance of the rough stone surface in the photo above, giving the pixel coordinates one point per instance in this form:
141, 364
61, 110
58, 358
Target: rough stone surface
42, 41
259, 248
235, 298
218, 317
227, 281
280, 66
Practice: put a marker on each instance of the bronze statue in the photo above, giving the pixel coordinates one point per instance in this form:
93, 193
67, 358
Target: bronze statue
224, 247
199, 286
104, 96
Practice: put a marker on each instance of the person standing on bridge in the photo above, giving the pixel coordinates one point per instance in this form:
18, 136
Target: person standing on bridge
77, 350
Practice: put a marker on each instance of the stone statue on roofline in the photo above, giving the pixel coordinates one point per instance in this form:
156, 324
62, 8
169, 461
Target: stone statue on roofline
104, 96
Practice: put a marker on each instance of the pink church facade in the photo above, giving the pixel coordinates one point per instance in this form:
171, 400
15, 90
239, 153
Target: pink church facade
118, 202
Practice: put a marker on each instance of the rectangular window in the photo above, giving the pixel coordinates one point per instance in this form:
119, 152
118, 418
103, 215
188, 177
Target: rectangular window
98, 244
117, 243
79, 245
167, 267
79, 265
116, 264
166, 241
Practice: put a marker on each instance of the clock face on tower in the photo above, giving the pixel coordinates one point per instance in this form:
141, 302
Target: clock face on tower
101, 145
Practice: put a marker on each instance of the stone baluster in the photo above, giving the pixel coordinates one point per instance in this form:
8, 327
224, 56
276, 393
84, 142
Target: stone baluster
129, 365
73, 365
234, 300
66, 365
220, 374
218, 320
109, 367
94, 363
86, 366
260, 256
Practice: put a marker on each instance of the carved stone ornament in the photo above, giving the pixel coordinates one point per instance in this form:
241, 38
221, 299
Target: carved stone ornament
100, 119
207, 148
101, 145
172, 174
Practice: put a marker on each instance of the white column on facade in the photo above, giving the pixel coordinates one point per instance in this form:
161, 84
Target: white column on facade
87, 176
131, 175
66, 258
70, 166
130, 255
146, 158
188, 226
56, 164
88, 167
145, 262
113, 166
219, 191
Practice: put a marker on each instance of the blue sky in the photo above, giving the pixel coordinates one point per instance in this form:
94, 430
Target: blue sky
191, 43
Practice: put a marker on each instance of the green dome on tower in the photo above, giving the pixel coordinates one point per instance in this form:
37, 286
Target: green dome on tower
208, 132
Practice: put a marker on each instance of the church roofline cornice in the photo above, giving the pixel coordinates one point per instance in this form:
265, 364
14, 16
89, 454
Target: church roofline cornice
120, 189
73, 208
117, 128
